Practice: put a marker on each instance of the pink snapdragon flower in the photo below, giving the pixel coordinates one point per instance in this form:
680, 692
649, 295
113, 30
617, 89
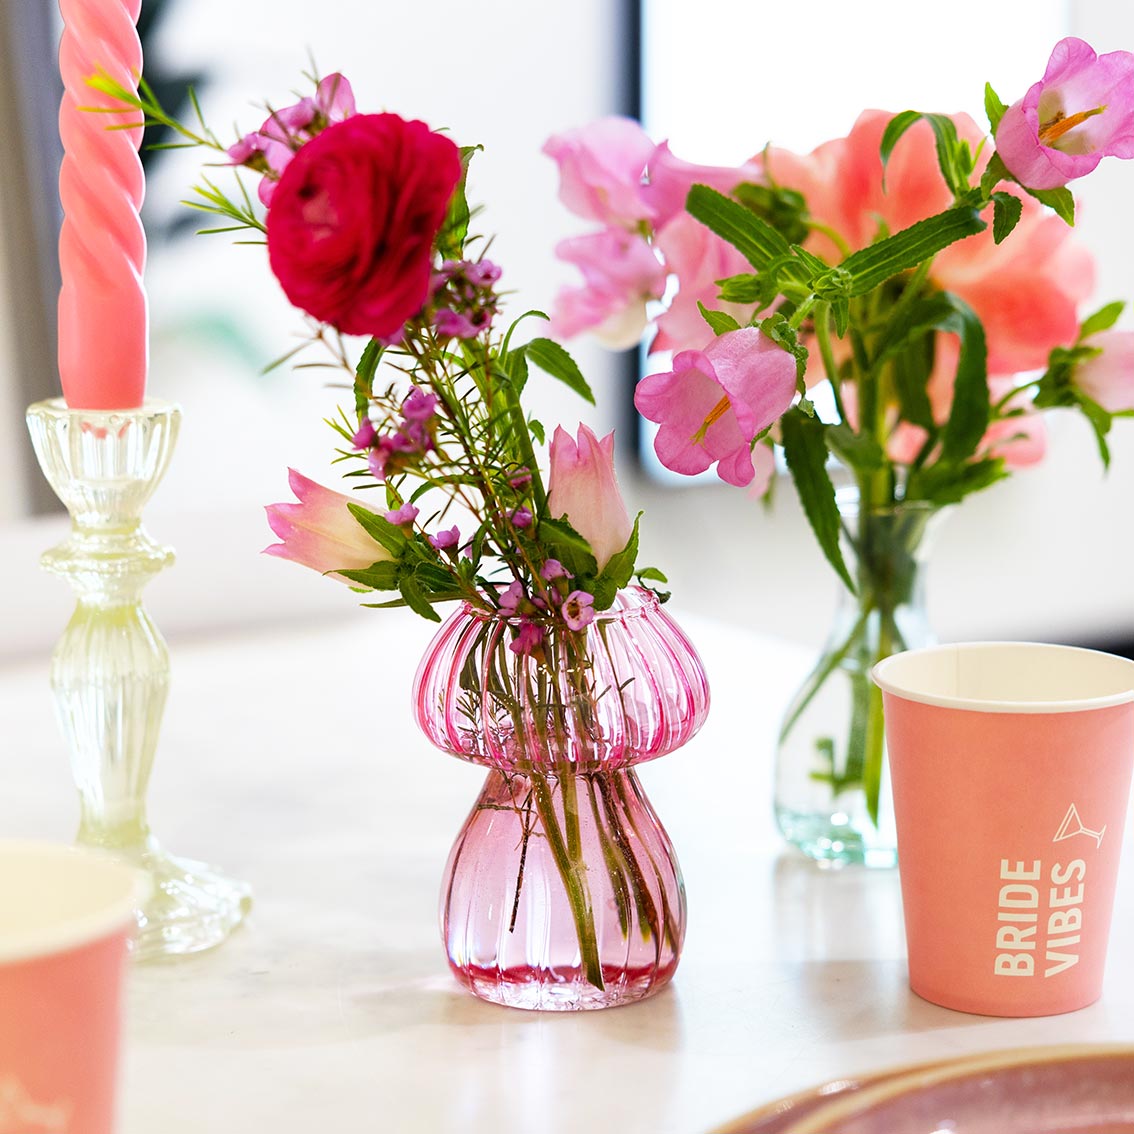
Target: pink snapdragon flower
601, 170
621, 273
319, 531
713, 403
697, 257
669, 179
1108, 378
1081, 111
583, 488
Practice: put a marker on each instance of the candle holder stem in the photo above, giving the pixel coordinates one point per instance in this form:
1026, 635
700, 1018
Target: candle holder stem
110, 669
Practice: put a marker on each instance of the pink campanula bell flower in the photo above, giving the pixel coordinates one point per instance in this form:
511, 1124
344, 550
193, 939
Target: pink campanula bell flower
621, 273
714, 403
1081, 111
601, 170
583, 488
319, 531
1108, 378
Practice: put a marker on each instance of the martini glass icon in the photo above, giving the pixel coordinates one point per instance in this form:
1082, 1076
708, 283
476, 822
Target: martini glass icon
1072, 825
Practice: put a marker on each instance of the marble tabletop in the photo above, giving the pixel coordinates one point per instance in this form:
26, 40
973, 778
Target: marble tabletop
289, 758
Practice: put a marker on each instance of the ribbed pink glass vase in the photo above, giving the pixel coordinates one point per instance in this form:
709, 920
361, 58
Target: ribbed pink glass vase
562, 890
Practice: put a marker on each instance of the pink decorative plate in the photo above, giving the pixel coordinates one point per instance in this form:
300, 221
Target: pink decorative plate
1055, 1090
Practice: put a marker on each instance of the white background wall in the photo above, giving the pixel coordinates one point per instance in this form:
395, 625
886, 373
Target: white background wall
1044, 556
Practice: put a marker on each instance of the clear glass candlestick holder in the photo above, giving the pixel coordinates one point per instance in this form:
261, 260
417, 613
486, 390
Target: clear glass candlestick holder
110, 669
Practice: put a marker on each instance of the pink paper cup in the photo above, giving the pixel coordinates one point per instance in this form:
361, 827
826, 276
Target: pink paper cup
66, 916
1010, 765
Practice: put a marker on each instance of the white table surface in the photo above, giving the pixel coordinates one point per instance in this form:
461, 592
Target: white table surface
289, 757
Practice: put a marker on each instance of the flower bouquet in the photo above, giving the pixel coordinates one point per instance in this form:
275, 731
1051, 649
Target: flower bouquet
896, 312
559, 670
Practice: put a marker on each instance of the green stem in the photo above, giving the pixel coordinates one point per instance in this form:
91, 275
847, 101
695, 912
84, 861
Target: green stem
572, 870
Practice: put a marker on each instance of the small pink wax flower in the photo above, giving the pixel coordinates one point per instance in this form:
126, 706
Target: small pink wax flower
714, 403
583, 488
447, 539
1108, 378
406, 514
601, 168
528, 640
1081, 111
319, 531
578, 610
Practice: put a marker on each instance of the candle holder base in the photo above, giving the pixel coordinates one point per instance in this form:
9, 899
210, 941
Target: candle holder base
192, 907
110, 669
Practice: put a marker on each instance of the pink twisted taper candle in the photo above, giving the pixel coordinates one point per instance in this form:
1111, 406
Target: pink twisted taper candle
103, 319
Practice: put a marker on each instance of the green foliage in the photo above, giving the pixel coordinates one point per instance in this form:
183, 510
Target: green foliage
1006, 213
551, 358
993, 107
871, 267
805, 450
720, 321
756, 240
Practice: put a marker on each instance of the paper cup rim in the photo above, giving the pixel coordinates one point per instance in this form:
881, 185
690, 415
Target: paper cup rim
83, 929
978, 705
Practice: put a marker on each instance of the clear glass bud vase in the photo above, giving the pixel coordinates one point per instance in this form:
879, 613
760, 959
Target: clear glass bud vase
562, 890
832, 791
110, 669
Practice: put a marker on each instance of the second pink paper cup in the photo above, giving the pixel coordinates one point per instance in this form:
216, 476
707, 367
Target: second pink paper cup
1010, 765
65, 918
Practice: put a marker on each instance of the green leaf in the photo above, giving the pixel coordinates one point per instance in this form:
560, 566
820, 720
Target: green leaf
550, 357
535, 428
859, 451
1060, 200
364, 376
720, 321
381, 576
910, 371
805, 449
652, 574
415, 598
745, 288
565, 544
953, 157
1100, 421
1102, 320
455, 228
995, 172
993, 107
1006, 212
784, 209
390, 536
896, 127
948, 483
864, 270
971, 411
515, 365
619, 569
754, 238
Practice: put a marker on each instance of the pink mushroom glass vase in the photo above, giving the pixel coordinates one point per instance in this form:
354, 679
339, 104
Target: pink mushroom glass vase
562, 890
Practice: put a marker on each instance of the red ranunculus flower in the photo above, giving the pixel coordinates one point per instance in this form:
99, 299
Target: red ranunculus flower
353, 220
